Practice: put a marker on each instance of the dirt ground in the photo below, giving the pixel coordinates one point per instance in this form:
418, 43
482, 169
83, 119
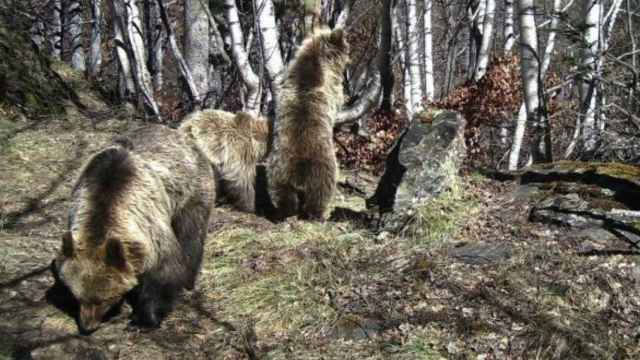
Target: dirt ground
478, 282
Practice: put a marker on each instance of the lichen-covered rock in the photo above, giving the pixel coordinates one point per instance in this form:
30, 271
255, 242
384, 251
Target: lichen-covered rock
423, 163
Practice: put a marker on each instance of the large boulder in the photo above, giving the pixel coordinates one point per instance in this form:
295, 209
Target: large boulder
423, 163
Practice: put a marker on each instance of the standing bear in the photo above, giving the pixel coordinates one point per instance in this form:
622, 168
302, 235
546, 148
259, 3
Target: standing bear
138, 220
303, 169
234, 144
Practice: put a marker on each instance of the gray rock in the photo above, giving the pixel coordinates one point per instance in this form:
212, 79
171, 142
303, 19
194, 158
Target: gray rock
422, 164
481, 254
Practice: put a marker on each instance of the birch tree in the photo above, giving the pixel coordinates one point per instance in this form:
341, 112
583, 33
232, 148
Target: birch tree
531, 82
428, 52
272, 57
509, 34
74, 26
522, 113
412, 57
241, 59
487, 35
196, 44
589, 61
95, 53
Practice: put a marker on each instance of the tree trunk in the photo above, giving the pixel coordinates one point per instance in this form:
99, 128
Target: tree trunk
400, 33
386, 69
487, 35
126, 87
156, 38
95, 54
518, 135
589, 85
241, 59
413, 57
196, 43
476, 21
55, 29
74, 26
530, 72
185, 72
509, 34
217, 67
429, 93
270, 45
127, 14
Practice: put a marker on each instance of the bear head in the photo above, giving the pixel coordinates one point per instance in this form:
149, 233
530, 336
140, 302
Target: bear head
98, 276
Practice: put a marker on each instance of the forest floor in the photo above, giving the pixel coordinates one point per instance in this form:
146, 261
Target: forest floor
481, 282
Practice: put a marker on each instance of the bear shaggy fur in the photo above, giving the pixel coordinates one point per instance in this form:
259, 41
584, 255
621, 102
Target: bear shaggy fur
234, 144
137, 225
303, 169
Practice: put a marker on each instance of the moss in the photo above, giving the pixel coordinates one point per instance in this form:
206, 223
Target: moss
616, 170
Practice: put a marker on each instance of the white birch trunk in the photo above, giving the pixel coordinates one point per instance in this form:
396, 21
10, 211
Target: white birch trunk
487, 34
196, 43
270, 43
589, 86
530, 72
74, 26
241, 59
428, 52
341, 22
413, 57
518, 135
95, 53
551, 40
509, 33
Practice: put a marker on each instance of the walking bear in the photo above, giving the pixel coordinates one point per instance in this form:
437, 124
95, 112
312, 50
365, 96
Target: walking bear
234, 144
137, 224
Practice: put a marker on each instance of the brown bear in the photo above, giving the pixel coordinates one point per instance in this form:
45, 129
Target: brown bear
234, 144
303, 169
138, 220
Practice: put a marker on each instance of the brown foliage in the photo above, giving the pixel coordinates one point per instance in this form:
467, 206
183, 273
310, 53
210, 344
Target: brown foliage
359, 152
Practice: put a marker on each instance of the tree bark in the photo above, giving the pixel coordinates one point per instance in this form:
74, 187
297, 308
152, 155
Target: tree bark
429, 93
487, 35
196, 44
589, 83
74, 26
55, 29
95, 53
270, 45
413, 57
127, 14
156, 38
386, 70
400, 33
241, 59
126, 87
185, 72
531, 82
509, 33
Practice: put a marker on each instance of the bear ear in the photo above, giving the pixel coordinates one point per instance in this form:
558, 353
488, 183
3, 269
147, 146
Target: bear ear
337, 38
67, 244
115, 255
